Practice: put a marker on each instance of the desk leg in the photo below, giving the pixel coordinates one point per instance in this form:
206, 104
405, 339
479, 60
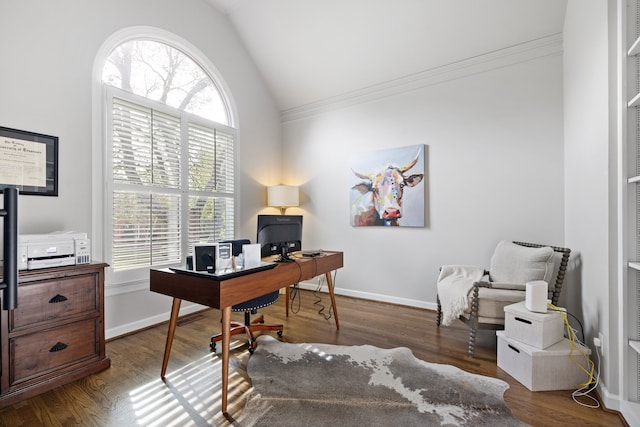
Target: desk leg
333, 298
173, 320
286, 295
226, 337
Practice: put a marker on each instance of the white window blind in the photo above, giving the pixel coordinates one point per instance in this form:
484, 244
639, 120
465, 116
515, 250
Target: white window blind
149, 198
211, 170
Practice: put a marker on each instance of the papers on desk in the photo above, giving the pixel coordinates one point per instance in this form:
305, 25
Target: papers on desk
251, 255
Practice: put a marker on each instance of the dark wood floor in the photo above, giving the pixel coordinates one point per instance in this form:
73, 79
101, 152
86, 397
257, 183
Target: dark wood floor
131, 393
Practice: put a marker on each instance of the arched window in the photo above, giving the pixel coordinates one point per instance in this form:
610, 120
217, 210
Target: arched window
170, 158
163, 73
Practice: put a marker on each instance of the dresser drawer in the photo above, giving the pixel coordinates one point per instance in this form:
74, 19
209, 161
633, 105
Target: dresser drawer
53, 300
36, 354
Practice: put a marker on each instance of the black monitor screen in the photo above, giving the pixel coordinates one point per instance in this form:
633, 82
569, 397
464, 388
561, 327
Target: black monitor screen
279, 234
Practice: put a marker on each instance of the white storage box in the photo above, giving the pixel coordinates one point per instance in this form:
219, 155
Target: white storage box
539, 330
544, 370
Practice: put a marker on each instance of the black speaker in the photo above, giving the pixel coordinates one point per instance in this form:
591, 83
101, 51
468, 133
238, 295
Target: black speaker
204, 257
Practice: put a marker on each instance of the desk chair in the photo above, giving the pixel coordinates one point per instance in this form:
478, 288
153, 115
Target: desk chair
249, 308
489, 291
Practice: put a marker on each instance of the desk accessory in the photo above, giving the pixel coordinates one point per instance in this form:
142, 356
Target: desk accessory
309, 254
536, 294
224, 255
251, 255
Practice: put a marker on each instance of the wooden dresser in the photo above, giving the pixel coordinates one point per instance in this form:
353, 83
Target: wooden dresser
56, 334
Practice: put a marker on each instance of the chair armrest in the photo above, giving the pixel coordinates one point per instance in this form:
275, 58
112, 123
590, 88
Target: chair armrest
482, 284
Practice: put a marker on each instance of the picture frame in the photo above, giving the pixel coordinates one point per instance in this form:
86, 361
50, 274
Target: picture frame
387, 187
28, 165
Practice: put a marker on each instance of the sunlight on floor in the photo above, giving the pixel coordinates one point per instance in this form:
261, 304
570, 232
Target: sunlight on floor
189, 396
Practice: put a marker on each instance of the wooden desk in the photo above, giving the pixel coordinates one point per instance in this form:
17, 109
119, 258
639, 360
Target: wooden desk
222, 294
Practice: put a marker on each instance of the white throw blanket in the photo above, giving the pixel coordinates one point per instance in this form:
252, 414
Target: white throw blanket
454, 284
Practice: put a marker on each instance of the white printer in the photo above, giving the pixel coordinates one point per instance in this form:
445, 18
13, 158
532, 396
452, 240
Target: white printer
53, 250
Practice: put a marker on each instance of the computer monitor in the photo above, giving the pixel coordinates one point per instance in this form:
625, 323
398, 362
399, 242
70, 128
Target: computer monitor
279, 235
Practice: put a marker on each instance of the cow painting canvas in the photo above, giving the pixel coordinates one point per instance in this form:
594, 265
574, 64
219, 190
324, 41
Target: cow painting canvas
388, 188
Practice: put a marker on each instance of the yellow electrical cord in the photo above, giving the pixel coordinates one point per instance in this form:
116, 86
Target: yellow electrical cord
572, 338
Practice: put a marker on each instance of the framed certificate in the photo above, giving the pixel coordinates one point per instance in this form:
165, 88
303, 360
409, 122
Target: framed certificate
28, 161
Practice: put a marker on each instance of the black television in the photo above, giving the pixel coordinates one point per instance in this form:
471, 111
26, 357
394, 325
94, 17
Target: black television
279, 235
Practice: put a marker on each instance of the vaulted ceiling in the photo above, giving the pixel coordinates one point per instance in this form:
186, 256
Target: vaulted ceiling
310, 51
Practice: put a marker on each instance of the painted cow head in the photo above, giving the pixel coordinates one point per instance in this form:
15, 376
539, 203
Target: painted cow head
386, 189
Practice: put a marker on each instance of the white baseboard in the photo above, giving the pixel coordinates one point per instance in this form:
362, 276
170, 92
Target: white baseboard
309, 285
609, 400
149, 321
630, 411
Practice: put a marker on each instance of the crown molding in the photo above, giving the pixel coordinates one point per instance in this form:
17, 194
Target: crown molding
517, 54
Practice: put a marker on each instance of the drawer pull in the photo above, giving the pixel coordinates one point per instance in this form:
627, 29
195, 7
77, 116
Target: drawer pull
58, 347
520, 319
513, 348
57, 298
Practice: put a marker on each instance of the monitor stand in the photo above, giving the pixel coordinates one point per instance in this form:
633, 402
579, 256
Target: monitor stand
284, 256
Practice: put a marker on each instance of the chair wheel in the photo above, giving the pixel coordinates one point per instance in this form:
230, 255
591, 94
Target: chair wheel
213, 346
280, 334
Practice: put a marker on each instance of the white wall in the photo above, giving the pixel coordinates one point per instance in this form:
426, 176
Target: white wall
48, 50
589, 170
494, 171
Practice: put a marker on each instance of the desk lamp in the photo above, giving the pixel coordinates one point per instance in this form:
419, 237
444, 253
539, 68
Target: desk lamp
282, 196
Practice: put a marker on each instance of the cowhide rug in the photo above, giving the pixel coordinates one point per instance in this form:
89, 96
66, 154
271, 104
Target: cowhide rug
332, 385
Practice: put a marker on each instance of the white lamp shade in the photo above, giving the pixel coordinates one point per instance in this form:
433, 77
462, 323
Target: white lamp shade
282, 196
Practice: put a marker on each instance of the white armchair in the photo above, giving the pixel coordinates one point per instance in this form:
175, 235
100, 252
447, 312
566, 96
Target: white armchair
477, 296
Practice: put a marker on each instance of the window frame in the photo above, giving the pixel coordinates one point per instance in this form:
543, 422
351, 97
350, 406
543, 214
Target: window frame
186, 119
102, 184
